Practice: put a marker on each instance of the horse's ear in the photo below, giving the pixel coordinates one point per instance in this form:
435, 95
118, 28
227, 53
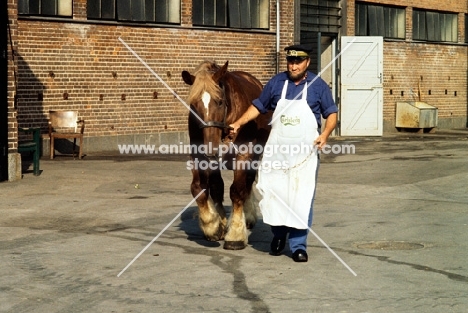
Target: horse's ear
188, 78
221, 72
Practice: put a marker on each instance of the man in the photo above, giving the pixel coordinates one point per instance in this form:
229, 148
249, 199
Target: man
299, 99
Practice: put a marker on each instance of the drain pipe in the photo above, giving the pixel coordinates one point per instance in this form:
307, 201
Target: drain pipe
277, 36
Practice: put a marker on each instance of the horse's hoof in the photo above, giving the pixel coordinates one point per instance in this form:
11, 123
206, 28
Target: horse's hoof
234, 245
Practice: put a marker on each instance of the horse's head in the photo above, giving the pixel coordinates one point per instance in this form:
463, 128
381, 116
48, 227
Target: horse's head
208, 103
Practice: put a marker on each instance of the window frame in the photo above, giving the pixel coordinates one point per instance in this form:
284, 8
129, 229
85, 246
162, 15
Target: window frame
466, 28
369, 17
52, 8
240, 14
435, 26
139, 11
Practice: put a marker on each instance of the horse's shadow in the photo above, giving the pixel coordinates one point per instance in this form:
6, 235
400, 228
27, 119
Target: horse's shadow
259, 236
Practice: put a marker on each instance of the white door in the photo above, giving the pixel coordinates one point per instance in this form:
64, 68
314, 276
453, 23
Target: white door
361, 110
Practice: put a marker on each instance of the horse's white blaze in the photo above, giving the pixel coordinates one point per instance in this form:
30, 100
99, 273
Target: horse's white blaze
206, 98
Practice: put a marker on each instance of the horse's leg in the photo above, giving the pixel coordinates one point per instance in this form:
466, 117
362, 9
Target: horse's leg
209, 218
236, 237
216, 185
250, 205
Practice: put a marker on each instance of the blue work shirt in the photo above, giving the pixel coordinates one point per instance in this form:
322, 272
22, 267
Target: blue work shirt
319, 96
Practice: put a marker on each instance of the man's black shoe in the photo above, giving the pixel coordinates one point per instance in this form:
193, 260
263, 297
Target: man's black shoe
277, 245
300, 256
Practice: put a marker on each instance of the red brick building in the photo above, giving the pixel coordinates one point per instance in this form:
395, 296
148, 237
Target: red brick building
71, 55
425, 51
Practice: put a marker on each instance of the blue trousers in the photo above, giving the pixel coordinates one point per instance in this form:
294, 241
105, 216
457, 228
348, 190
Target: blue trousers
297, 237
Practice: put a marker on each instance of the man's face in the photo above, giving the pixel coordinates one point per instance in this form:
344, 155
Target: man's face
297, 69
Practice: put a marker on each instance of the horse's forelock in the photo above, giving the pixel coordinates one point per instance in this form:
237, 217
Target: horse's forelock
204, 82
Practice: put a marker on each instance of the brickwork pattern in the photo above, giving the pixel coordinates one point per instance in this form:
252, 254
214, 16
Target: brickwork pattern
12, 73
435, 73
411, 67
80, 65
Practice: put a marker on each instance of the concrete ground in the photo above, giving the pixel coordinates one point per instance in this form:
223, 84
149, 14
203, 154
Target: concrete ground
395, 211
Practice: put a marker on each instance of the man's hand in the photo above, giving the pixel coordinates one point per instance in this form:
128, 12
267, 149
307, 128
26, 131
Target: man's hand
330, 124
321, 141
251, 113
234, 128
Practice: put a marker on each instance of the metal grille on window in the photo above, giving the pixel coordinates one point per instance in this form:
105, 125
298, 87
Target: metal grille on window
320, 15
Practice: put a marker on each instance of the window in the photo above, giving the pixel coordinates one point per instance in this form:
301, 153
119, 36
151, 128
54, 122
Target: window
46, 7
210, 12
320, 16
250, 14
435, 26
158, 11
377, 20
101, 9
466, 28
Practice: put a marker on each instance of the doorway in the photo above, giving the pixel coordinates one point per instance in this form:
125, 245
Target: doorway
323, 61
319, 25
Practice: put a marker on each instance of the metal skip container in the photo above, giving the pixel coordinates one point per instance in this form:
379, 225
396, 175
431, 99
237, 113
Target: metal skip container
415, 115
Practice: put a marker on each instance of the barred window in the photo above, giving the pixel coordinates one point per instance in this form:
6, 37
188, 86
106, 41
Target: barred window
157, 11
379, 20
320, 16
249, 14
46, 7
435, 26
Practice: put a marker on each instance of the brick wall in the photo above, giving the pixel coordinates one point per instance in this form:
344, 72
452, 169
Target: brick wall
80, 65
445, 5
12, 121
437, 71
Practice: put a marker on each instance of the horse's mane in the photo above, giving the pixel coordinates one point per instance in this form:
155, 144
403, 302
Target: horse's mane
204, 82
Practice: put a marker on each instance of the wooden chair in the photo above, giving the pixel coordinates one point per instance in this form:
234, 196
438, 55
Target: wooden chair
64, 125
31, 145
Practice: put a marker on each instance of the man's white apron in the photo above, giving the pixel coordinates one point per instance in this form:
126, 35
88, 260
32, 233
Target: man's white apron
289, 164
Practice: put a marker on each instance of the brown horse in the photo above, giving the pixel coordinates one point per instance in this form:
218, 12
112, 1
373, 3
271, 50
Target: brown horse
217, 98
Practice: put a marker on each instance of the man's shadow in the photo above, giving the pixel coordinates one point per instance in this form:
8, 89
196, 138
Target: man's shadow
259, 236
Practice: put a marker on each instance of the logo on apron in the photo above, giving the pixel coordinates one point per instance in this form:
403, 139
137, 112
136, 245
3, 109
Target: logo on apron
290, 121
